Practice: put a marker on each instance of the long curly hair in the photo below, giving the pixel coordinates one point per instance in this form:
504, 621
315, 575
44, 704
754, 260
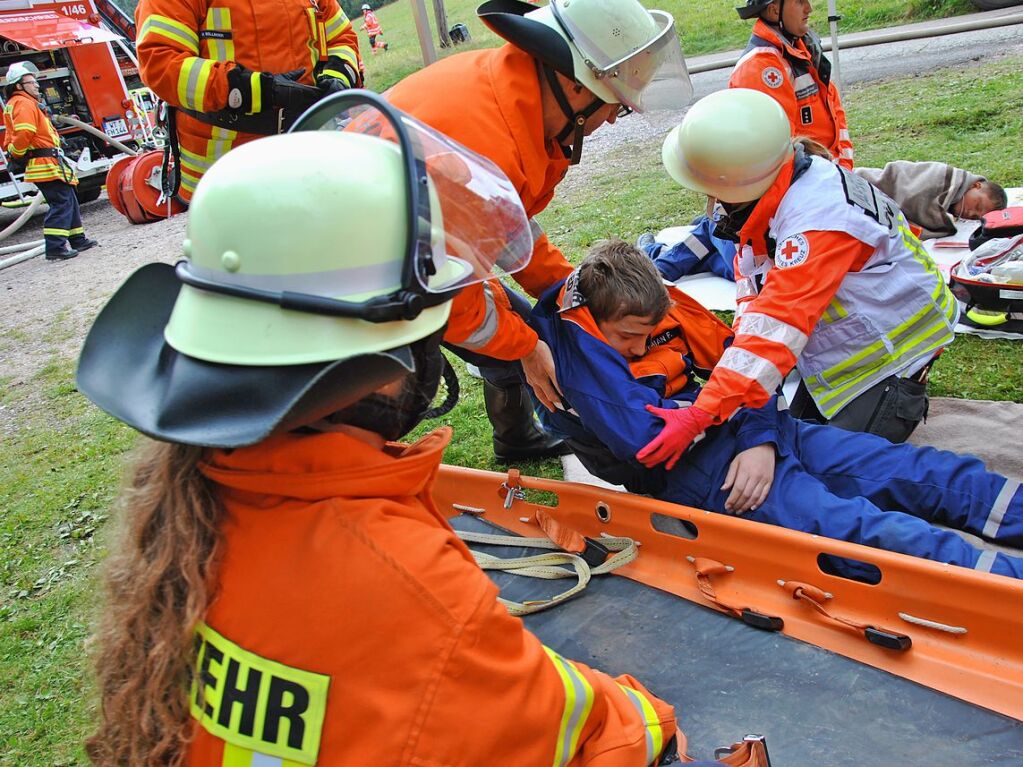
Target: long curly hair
160, 578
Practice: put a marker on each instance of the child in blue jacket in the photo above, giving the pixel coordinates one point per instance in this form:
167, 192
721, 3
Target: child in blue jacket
626, 346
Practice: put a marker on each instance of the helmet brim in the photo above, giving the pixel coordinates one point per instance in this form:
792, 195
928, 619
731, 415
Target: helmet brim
507, 19
127, 368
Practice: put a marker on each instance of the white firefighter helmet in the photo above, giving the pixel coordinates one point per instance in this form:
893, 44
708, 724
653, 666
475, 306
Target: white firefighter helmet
617, 49
18, 70
731, 145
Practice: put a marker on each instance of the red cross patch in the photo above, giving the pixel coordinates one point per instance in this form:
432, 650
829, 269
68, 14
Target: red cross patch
772, 77
792, 252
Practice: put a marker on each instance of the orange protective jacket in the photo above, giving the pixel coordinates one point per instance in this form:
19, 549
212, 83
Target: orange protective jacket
27, 127
187, 47
352, 627
490, 102
788, 306
785, 72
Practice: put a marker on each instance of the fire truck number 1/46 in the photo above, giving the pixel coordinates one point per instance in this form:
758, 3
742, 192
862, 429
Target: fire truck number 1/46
78, 9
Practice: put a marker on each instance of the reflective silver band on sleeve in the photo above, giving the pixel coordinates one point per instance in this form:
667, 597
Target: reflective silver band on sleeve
772, 329
487, 330
750, 365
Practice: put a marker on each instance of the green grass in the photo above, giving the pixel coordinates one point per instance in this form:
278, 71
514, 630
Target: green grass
702, 27
61, 468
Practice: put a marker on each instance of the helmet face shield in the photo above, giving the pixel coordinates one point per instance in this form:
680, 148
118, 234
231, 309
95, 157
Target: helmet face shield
469, 225
650, 76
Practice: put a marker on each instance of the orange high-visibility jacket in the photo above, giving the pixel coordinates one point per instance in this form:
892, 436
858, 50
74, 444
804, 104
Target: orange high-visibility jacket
352, 627
848, 291
489, 101
27, 127
786, 73
187, 47
371, 24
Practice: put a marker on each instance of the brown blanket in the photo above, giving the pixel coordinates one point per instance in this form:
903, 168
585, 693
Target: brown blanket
926, 191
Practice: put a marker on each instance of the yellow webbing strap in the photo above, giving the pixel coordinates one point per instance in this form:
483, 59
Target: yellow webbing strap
548, 566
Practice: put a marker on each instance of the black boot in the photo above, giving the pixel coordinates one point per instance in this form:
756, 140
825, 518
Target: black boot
517, 436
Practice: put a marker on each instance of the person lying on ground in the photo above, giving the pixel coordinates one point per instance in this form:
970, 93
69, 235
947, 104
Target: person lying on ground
933, 195
628, 351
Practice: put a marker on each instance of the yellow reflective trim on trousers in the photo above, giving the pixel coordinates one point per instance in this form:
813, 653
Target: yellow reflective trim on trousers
235, 756
76, 230
57, 232
651, 723
171, 29
219, 20
192, 80
578, 704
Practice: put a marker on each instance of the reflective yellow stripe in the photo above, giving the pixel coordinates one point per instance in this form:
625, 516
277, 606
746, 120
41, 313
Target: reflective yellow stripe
257, 93
234, 756
578, 703
192, 81
173, 30
219, 20
345, 53
255, 703
834, 312
17, 152
651, 723
57, 232
76, 230
342, 76
336, 25
31, 127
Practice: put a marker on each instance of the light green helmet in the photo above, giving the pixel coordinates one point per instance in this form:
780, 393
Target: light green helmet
335, 229
731, 145
319, 267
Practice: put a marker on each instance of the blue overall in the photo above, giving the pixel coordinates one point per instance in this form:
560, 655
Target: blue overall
844, 485
699, 251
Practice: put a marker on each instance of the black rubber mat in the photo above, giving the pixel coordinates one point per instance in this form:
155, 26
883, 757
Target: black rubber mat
726, 679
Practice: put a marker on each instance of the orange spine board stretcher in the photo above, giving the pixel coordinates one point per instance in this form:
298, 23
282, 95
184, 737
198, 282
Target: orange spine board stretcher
965, 626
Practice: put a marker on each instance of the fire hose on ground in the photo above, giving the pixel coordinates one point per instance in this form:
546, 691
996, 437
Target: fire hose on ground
26, 250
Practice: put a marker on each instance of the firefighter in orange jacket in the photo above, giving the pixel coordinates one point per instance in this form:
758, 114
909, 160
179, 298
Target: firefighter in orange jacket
33, 145
283, 557
784, 60
527, 106
240, 70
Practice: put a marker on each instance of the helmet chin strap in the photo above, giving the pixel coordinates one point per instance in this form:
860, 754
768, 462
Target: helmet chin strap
576, 124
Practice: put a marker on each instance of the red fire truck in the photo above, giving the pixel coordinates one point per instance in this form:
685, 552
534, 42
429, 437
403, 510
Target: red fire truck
86, 71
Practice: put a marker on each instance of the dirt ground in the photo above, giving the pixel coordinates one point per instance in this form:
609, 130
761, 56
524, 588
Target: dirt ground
47, 306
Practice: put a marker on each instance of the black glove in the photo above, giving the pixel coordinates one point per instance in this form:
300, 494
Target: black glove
250, 92
336, 75
16, 164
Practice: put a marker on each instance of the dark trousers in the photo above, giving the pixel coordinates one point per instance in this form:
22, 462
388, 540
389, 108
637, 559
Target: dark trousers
63, 220
501, 373
891, 408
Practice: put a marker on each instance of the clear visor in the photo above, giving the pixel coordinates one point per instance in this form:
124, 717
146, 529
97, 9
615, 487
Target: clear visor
470, 223
651, 78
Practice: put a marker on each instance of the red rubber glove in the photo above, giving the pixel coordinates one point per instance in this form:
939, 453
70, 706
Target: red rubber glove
682, 427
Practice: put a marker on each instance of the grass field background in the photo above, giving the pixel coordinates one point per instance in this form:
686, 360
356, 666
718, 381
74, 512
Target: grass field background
61, 467
705, 27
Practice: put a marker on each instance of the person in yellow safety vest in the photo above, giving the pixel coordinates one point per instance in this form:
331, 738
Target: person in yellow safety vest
34, 148
829, 279
241, 70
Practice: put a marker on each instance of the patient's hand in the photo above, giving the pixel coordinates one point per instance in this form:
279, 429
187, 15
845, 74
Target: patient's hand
750, 477
538, 367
